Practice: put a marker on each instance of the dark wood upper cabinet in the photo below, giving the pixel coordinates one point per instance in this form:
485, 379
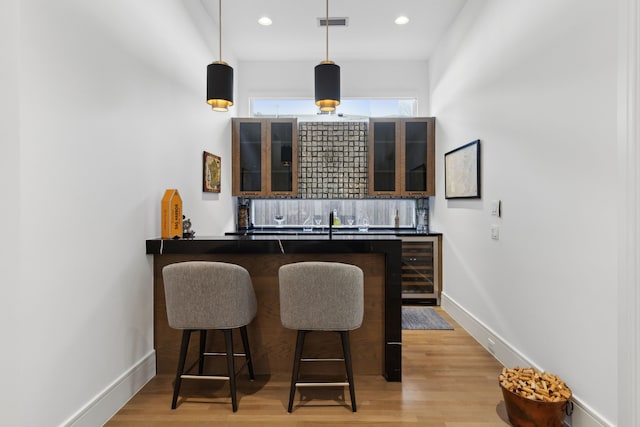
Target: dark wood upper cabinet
265, 157
402, 157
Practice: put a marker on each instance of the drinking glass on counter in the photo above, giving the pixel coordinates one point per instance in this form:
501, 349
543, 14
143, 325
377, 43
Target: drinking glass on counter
307, 225
364, 224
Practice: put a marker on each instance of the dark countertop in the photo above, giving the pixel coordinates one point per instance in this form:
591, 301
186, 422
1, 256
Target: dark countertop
279, 243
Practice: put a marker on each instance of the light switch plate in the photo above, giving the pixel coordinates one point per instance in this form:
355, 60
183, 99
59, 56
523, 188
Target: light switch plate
495, 208
495, 232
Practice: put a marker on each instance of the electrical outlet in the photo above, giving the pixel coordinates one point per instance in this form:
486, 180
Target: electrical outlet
491, 344
495, 232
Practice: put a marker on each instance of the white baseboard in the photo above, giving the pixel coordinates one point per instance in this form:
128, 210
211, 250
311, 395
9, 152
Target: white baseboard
583, 415
104, 405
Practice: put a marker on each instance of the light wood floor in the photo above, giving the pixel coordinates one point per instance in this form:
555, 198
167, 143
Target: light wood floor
449, 380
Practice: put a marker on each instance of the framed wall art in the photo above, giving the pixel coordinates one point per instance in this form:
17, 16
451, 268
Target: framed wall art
462, 172
210, 173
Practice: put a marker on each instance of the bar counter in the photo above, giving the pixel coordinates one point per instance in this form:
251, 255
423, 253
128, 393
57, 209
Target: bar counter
376, 345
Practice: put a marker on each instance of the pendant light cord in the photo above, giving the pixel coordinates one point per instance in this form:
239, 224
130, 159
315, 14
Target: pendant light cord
220, 30
326, 24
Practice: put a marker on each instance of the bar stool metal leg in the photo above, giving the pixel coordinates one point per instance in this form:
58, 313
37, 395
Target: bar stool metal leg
247, 351
346, 349
203, 343
231, 367
186, 335
296, 367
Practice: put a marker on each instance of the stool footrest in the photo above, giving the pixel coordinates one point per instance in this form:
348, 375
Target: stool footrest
204, 377
312, 384
307, 359
224, 354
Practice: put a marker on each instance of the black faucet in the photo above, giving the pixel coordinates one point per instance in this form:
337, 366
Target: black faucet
331, 225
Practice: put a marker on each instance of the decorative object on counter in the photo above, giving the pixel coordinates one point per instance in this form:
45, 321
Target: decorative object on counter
171, 214
187, 232
422, 216
396, 220
220, 76
279, 219
327, 77
534, 398
336, 218
421, 222
244, 214
211, 173
462, 172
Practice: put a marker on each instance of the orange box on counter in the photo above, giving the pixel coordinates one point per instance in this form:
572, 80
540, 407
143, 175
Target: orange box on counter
171, 214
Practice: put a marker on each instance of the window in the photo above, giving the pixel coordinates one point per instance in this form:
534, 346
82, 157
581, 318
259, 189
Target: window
373, 107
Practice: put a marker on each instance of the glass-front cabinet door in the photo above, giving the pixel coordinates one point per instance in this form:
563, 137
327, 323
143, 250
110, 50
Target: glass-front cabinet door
419, 156
264, 157
283, 149
248, 156
383, 157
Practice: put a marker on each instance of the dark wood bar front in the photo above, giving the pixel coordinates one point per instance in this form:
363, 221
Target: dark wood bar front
376, 345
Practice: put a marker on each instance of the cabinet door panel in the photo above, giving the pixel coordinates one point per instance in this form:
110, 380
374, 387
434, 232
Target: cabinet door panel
384, 157
416, 156
282, 157
250, 142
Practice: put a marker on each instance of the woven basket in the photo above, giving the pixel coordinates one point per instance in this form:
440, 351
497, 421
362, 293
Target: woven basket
525, 412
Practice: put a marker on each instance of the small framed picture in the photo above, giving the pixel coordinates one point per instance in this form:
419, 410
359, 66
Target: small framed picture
210, 173
462, 172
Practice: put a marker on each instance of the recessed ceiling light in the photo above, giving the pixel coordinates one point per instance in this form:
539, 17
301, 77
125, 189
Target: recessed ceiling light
401, 20
266, 21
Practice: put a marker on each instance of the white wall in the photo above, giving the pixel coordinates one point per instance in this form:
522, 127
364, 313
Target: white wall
536, 83
358, 79
10, 401
112, 112
629, 214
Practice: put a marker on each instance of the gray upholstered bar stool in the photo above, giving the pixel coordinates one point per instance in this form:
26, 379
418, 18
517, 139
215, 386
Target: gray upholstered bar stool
201, 296
321, 296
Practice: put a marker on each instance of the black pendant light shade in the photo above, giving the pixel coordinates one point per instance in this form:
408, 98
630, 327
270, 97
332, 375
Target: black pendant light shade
327, 84
219, 86
220, 76
327, 76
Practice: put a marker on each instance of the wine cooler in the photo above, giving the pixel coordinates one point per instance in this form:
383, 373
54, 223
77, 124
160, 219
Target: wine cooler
421, 270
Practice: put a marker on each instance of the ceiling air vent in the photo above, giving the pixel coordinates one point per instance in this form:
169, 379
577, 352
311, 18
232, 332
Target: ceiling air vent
333, 22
